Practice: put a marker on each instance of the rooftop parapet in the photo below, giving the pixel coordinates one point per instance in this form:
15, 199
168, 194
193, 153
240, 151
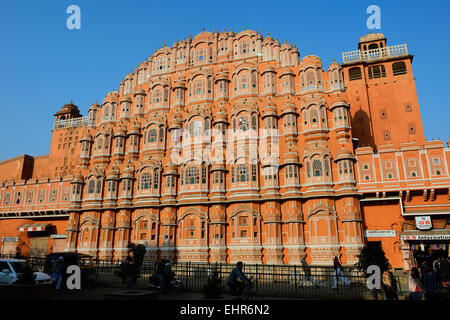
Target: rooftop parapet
375, 54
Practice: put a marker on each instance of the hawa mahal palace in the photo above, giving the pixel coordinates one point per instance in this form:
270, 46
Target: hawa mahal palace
232, 147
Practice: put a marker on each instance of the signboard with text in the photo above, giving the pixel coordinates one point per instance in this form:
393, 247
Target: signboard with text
423, 222
379, 233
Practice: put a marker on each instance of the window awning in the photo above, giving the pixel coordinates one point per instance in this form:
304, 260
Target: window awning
33, 227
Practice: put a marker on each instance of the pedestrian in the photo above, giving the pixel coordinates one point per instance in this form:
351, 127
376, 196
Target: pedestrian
430, 283
123, 272
338, 275
57, 272
160, 273
389, 285
168, 276
307, 274
415, 284
437, 264
132, 273
18, 253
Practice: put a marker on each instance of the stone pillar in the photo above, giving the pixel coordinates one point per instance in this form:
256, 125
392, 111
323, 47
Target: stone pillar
72, 231
122, 234
295, 242
272, 240
106, 240
217, 233
167, 234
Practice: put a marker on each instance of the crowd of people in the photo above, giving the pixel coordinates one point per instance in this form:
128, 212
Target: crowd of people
429, 281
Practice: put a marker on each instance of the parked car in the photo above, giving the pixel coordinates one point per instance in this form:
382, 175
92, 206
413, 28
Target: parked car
12, 269
84, 261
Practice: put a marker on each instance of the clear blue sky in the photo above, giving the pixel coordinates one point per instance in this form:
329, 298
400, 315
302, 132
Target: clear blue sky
43, 65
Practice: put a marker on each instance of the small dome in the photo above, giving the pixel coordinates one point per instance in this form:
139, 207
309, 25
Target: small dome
69, 109
344, 154
334, 65
310, 61
140, 91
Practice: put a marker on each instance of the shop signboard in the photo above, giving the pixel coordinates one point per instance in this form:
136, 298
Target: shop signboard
379, 233
426, 237
423, 222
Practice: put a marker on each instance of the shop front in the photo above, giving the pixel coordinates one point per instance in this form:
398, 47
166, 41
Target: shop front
425, 240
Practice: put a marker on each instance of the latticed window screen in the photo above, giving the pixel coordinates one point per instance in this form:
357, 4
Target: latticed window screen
146, 181
317, 168
192, 175
242, 173
326, 165
152, 136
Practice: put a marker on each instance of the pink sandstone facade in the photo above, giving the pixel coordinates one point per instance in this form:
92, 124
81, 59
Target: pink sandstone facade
229, 147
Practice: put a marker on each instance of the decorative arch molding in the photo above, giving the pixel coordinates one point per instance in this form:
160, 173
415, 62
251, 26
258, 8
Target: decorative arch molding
320, 151
239, 107
89, 220
321, 208
244, 66
249, 33
244, 209
146, 214
199, 110
319, 103
207, 72
163, 82
188, 211
150, 163
96, 172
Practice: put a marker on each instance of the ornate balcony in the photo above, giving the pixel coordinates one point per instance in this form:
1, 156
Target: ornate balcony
375, 54
72, 123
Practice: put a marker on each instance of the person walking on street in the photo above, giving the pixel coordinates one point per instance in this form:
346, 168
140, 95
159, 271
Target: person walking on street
131, 273
57, 272
160, 273
168, 276
338, 275
307, 274
415, 284
389, 289
430, 283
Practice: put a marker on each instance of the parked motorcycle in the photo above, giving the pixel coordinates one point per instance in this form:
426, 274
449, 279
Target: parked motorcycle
175, 285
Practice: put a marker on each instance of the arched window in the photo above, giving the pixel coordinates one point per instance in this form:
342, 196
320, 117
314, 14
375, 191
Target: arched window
192, 175
91, 188
99, 186
161, 134
157, 96
151, 136
146, 181
156, 180
399, 68
310, 79
254, 122
377, 72
242, 174
354, 73
314, 116
243, 124
317, 168
196, 128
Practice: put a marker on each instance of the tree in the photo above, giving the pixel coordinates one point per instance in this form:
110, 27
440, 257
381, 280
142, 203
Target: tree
372, 255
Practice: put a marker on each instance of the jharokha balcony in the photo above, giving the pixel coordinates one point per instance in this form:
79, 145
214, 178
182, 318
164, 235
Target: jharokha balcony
71, 123
375, 54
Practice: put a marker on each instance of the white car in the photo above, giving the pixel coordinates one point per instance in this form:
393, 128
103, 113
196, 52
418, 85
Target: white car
11, 269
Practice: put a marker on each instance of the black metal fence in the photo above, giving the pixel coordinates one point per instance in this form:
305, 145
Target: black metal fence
269, 280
